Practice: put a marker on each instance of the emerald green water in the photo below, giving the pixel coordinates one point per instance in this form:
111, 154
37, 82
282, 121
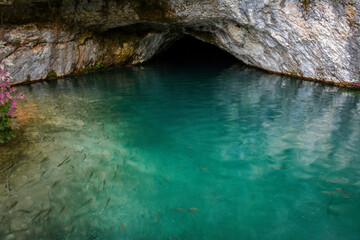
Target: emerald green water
183, 152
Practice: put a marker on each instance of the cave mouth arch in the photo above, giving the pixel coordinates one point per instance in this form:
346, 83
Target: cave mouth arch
189, 50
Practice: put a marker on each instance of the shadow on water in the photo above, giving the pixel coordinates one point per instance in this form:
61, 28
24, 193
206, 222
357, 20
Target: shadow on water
182, 151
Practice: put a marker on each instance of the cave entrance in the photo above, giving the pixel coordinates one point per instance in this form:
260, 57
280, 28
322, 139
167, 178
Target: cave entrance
189, 50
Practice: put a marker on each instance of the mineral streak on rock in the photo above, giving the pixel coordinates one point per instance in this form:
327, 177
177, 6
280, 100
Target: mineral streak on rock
312, 39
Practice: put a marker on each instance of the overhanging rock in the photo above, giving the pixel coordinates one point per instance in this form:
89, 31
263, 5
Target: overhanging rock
312, 39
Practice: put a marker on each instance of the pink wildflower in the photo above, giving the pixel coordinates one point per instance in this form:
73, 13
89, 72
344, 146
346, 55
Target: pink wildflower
8, 96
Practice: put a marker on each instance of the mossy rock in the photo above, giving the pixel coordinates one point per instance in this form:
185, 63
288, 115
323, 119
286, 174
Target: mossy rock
306, 3
51, 74
95, 67
293, 73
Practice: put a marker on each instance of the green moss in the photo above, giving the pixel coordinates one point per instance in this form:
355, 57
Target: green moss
293, 73
97, 66
51, 74
306, 3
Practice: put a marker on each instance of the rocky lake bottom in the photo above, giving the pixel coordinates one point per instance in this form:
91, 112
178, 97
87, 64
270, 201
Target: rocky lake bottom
183, 152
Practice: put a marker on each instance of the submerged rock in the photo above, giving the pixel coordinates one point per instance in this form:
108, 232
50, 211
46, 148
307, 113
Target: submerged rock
312, 39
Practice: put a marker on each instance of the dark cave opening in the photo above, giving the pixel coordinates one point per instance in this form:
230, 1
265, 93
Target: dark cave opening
189, 50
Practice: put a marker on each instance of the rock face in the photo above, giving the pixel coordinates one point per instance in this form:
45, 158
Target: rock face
308, 38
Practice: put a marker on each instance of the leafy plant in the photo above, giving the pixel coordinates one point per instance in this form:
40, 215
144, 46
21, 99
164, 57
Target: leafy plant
8, 99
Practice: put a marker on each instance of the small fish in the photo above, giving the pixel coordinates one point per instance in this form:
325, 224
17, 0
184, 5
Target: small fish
38, 154
56, 183
27, 183
204, 168
327, 192
330, 180
104, 183
337, 190
69, 159
43, 173
195, 209
13, 205
348, 195
45, 159
24, 211
279, 167
86, 203
69, 224
123, 228
19, 231
165, 180
107, 203
11, 165
84, 156
191, 212
189, 147
156, 217
62, 209
38, 214
60, 164
47, 214
91, 174
175, 238
178, 209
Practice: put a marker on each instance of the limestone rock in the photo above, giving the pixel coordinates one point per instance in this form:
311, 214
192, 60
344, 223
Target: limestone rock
313, 39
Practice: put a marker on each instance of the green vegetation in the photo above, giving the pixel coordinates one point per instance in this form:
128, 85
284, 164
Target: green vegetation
51, 74
6, 131
97, 66
293, 73
8, 99
306, 3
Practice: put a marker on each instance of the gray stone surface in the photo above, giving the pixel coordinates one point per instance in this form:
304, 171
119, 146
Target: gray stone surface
308, 38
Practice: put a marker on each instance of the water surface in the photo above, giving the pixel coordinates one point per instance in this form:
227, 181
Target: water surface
183, 152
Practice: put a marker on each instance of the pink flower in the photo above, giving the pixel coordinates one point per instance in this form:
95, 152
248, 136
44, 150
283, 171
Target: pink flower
13, 104
11, 113
8, 95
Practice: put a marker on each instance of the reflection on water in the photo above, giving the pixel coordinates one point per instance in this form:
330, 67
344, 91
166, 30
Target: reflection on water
164, 152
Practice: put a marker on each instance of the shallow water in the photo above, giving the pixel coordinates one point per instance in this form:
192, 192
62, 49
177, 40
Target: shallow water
183, 152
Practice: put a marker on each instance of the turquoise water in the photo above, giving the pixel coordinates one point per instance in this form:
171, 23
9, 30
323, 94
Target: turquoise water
183, 152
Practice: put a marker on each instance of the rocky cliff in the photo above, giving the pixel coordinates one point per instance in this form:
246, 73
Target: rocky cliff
308, 38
